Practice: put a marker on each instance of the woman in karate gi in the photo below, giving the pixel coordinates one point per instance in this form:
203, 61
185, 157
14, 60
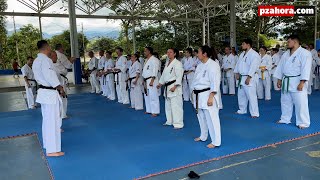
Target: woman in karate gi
171, 78
206, 89
135, 82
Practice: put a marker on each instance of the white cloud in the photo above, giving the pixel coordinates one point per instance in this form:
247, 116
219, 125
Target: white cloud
57, 25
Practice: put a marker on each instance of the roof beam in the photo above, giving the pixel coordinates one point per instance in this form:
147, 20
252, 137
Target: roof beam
97, 16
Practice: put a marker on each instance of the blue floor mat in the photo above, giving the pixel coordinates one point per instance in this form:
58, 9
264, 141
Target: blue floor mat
107, 140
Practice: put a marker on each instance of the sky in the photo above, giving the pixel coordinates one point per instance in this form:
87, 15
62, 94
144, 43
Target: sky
57, 25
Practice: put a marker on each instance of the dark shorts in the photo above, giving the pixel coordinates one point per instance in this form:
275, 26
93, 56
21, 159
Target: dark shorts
16, 70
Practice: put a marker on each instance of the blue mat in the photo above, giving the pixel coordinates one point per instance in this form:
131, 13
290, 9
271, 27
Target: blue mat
106, 140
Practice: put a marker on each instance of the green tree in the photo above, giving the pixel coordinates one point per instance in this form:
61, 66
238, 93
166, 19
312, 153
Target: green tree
26, 39
3, 32
103, 43
64, 39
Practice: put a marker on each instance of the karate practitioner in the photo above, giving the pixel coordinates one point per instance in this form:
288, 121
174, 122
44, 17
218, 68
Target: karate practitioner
248, 63
49, 97
293, 73
206, 89
316, 83
264, 84
228, 65
61, 74
102, 80
189, 66
275, 61
135, 83
121, 77
93, 65
171, 79
234, 52
315, 70
150, 76
195, 57
64, 65
141, 60
109, 77
30, 83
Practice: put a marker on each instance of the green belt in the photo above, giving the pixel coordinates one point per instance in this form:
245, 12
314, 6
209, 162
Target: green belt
288, 81
239, 83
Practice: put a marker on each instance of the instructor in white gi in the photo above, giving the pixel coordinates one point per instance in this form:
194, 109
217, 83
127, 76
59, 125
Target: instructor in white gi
293, 73
206, 89
121, 77
49, 98
109, 76
171, 78
189, 66
93, 65
246, 68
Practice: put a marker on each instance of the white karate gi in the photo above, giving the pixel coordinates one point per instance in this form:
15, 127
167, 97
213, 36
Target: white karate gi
173, 73
141, 60
62, 74
247, 65
228, 82
292, 69
196, 60
264, 85
93, 63
136, 94
315, 71
64, 60
208, 75
101, 63
151, 69
121, 78
316, 83
236, 57
50, 101
30, 91
188, 65
109, 80
312, 76
275, 62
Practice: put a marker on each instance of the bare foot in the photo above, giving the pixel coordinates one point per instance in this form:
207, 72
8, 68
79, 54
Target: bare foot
57, 154
165, 124
279, 122
176, 128
302, 127
254, 117
61, 130
154, 115
147, 113
197, 139
211, 146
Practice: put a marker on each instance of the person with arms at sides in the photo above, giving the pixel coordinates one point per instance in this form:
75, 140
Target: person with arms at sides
206, 89
135, 82
62, 58
275, 61
235, 54
102, 80
264, 84
141, 60
49, 96
316, 83
248, 63
171, 79
93, 65
30, 83
121, 77
228, 65
293, 74
109, 76
195, 57
189, 67
150, 75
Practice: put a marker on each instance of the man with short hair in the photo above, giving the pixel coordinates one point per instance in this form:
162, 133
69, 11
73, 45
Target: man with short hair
49, 96
121, 77
246, 68
228, 65
30, 84
93, 66
293, 74
151, 80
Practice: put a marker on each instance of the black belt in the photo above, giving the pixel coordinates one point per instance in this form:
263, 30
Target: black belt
145, 85
186, 76
166, 86
197, 92
50, 88
130, 79
317, 71
116, 73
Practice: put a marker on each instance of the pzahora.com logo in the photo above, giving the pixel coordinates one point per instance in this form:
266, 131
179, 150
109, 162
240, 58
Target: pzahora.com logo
286, 11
